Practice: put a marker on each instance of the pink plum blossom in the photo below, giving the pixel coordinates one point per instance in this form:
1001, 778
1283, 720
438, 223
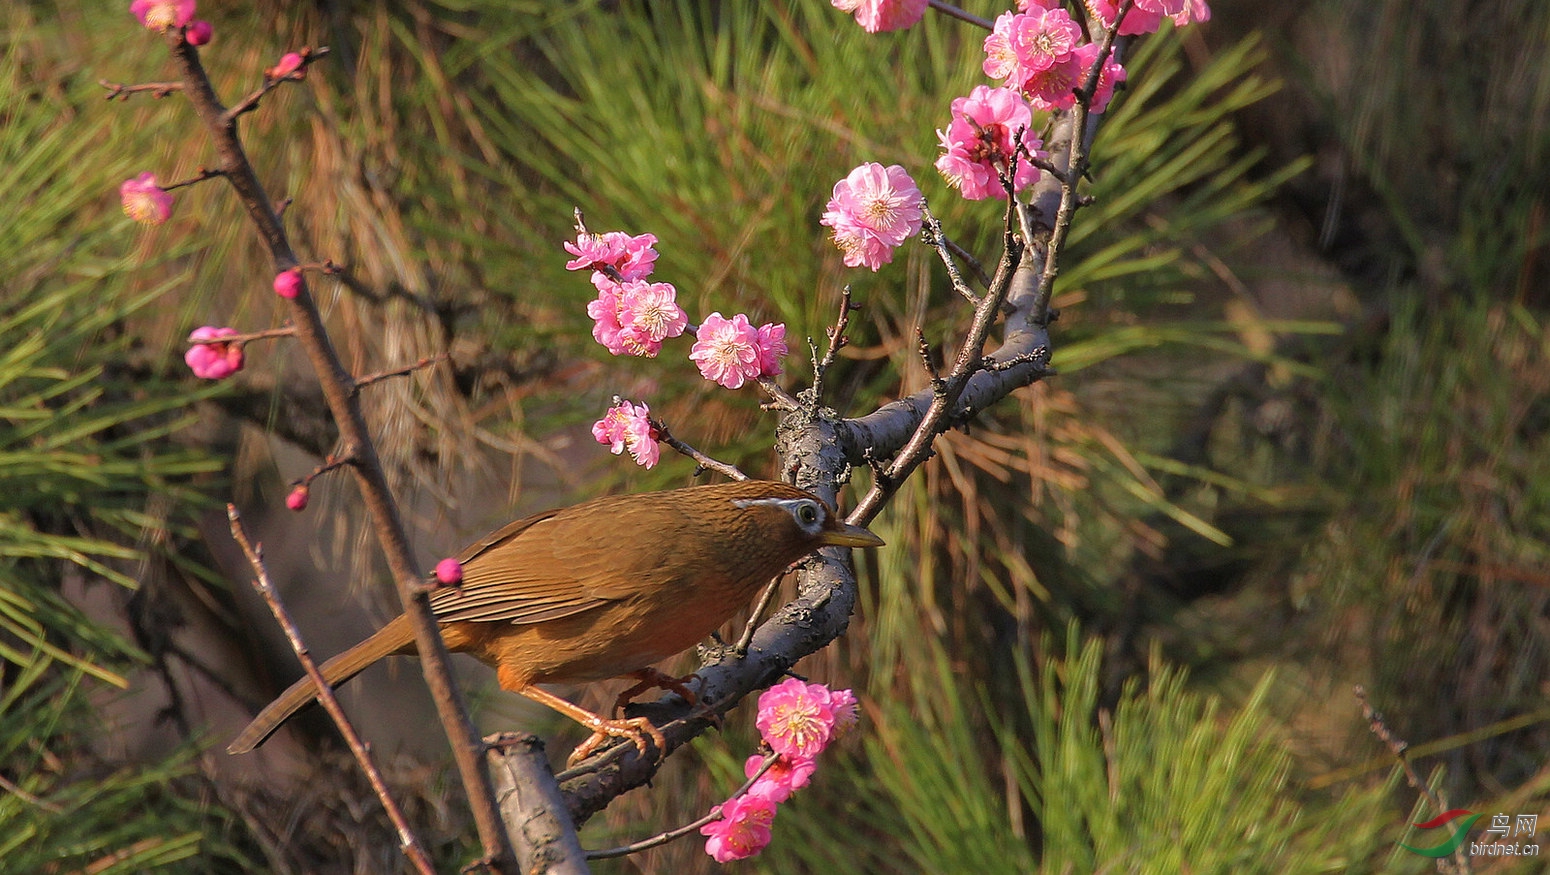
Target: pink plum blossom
873, 211
1055, 88
297, 498
1025, 43
145, 201
876, 16
605, 316
727, 351
648, 314
796, 718
633, 257
628, 427
449, 572
978, 143
742, 831
213, 361
161, 15
287, 283
199, 33
785, 777
772, 348
847, 711
1194, 10
1112, 74
1144, 17
634, 317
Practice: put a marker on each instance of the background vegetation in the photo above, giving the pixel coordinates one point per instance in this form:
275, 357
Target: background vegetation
1298, 443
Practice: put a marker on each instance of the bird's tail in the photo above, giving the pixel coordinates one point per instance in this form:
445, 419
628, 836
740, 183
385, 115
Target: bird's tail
395, 637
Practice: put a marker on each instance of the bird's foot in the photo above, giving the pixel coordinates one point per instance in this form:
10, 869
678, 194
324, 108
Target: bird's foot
636, 729
649, 679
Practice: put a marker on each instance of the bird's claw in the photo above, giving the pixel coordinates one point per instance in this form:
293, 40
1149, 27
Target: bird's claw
636, 729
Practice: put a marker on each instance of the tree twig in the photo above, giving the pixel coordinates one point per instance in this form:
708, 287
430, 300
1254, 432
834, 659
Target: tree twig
355, 439
663, 838
701, 460
406, 370
407, 840
158, 90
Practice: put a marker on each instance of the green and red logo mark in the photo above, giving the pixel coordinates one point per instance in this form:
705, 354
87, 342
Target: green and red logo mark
1453, 843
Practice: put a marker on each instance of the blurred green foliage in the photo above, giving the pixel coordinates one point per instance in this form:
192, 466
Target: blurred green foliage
92, 484
1393, 529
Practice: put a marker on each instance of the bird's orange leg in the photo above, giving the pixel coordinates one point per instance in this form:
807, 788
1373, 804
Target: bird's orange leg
636, 729
650, 678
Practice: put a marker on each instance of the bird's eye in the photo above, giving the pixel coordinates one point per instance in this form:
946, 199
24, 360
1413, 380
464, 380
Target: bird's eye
807, 513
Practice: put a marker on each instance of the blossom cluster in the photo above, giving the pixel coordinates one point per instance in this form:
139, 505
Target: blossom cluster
797, 721
1041, 59
632, 316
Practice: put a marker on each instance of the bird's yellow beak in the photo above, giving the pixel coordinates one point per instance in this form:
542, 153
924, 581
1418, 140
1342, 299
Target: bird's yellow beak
848, 535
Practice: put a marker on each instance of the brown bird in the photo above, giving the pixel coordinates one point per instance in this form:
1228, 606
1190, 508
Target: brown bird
600, 590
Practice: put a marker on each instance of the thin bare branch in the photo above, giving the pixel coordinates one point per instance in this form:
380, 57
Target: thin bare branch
837, 342
407, 840
673, 834
247, 104
406, 370
932, 233
952, 11
703, 461
741, 647
1400, 748
240, 339
158, 90
355, 440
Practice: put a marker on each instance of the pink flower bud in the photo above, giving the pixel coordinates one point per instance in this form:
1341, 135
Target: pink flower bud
145, 201
289, 67
297, 500
213, 361
199, 33
449, 572
287, 283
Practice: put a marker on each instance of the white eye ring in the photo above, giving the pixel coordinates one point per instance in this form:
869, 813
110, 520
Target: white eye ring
807, 513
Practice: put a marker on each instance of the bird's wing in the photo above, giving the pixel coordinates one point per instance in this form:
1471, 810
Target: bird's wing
541, 568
